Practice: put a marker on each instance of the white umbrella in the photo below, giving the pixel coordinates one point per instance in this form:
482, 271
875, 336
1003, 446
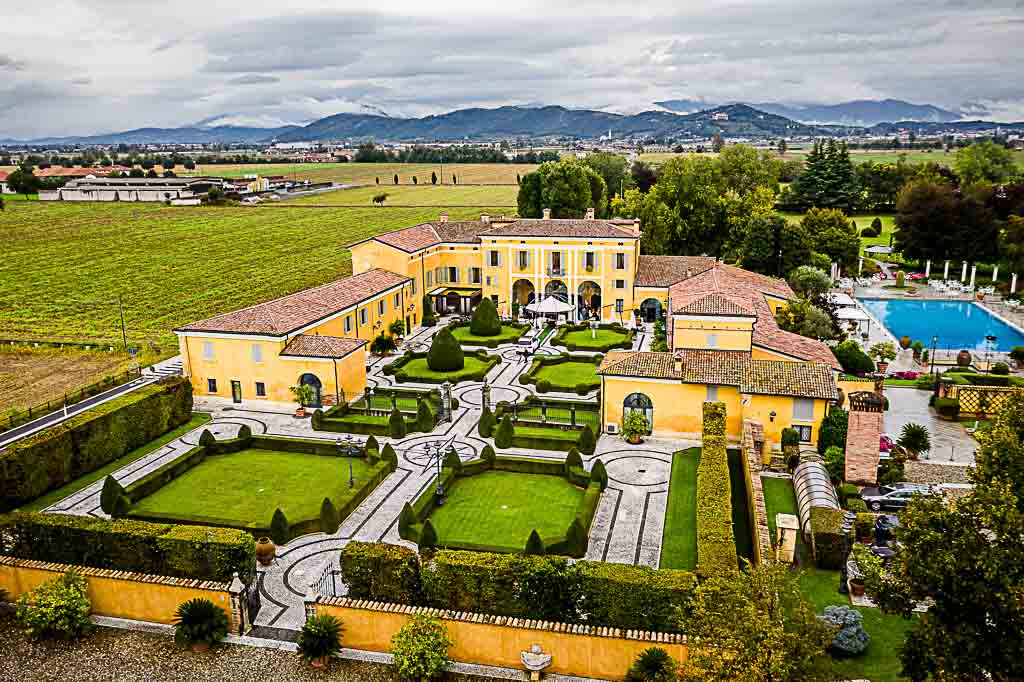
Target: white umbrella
549, 306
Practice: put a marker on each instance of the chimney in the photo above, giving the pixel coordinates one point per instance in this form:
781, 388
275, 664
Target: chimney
485, 218
590, 214
677, 363
444, 217
547, 214
636, 226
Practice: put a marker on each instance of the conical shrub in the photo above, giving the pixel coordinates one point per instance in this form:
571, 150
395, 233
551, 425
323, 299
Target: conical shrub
279, 527
445, 354
428, 536
503, 439
534, 545
486, 424
108, 497
329, 520
573, 459
396, 424
485, 320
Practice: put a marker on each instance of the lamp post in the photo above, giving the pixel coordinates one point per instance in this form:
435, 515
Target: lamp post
349, 447
935, 342
439, 491
990, 341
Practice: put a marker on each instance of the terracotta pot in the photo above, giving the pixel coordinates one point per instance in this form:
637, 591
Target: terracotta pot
634, 439
199, 647
319, 663
300, 413
963, 358
904, 342
265, 551
882, 366
857, 588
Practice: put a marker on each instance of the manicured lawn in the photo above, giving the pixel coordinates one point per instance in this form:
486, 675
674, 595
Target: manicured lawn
560, 415
779, 498
566, 375
679, 539
508, 334
602, 338
417, 369
501, 508
881, 662
40, 503
369, 173
243, 489
740, 507
541, 432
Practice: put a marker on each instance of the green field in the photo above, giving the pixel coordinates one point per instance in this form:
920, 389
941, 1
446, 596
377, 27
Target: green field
501, 508
65, 264
407, 195
779, 498
856, 155
295, 483
368, 173
679, 539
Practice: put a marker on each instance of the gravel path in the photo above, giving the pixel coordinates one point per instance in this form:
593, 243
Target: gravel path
126, 656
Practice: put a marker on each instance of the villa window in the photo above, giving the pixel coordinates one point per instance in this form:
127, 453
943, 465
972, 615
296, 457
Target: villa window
712, 394
362, 316
453, 274
348, 324
803, 409
620, 305
380, 307
620, 261
524, 260
261, 389
474, 275
493, 258
257, 352
211, 385
588, 260
620, 284
397, 301
804, 431
207, 350
711, 340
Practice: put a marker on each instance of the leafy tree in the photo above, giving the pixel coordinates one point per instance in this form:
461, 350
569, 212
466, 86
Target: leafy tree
534, 545
828, 179
420, 648
809, 282
23, 181
445, 354
984, 162
612, 169
935, 222
503, 438
801, 317
835, 462
762, 618
833, 430
530, 200
433, 178
485, 320
644, 176
774, 245
329, 520
832, 234
852, 358
653, 665
717, 143
1001, 455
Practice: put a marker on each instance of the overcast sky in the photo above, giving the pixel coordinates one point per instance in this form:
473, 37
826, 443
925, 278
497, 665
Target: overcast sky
86, 66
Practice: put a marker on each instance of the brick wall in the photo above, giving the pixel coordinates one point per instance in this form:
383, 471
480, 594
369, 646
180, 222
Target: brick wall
862, 438
753, 445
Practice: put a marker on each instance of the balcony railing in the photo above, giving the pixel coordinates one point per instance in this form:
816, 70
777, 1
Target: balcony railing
557, 272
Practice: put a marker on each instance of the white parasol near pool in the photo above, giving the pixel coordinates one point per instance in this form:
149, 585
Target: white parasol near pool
549, 306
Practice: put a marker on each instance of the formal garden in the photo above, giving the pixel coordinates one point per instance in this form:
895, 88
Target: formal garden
542, 424
394, 412
486, 328
597, 338
564, 373
444, 362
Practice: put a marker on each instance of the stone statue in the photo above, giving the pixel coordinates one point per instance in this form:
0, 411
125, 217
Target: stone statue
535, 661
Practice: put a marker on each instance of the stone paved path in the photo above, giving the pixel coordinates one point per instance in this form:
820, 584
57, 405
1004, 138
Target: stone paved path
627, 528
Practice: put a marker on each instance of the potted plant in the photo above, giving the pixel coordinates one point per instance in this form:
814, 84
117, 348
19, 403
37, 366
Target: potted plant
882, 352
397, 328
918, 348
1017, 355
634, 427
515, 310
904, 342
265, 551
199, 623
320, 639
303, 396
865, 527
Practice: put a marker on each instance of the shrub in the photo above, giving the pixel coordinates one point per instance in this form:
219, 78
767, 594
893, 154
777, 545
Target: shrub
827, 528
112, 492
486, 424
57, 608
329, 520
279, 527
380, 572
914, 438
206, 439
582, 388
876, 224
389, 455
653, 665
397, 327
245, 433
421, 648
573, 460
445, 354
835, 462
429, 318
534, 545
853, 359
396, 424
485, 320
833, 430
851, 639
588, 442
1017, 354
864, 523
452, 461
425, 420
200, 621
1000, 368
790, 437
428, 536
488, 454
371, 444
847, 491
543, 386
383, 344
855, 504
503, 438
900, 278
406, 520
320, 637
599, 475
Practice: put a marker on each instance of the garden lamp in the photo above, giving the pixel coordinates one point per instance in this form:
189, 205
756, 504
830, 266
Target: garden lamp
771, 416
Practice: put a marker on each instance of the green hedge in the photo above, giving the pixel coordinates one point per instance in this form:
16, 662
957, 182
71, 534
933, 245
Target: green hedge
716, 543
62, 453
381, 572
540, 361
565, 330
535, 442
492, 343
947, 407
126, 545
347, 425
827, 529
396, 369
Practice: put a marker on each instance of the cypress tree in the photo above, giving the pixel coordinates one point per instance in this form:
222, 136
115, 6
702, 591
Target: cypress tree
279, 527
389, 455
486, 424
372, 444
112, 490
445, 354
485, 320
573, 459
329, 520
503, 439
534, 545
207, 439
428, 536
429, 319
587, 440
425, 420
599, 475
396, 424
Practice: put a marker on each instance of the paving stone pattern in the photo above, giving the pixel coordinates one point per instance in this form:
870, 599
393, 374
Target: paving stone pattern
627, 528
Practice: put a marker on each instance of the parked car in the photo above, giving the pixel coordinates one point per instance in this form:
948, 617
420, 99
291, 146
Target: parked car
896, 496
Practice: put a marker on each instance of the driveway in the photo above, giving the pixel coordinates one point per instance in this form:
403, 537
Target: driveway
950, 441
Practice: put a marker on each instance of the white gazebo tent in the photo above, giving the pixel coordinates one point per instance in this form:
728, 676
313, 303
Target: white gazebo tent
549, 305
854, 317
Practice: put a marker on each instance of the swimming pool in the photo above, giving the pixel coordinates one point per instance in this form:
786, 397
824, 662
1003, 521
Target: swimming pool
958, 324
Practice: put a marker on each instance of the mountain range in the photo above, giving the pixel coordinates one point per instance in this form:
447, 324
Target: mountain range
735, 120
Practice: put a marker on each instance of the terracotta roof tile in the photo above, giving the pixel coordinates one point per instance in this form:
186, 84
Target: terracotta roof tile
638, 364
767, 334
781, 377
664, 271
558, 227
315, 346
285, 315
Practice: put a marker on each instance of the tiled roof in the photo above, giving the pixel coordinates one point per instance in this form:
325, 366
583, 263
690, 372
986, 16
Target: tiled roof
715, 304
314, 346
767, 334
726, 368
558, 227
429, 234
289, 313
712, 292
664, 271
411, 238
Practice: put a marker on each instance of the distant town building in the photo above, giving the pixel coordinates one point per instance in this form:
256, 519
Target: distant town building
4, 189
78, 172
719, 116
131, 189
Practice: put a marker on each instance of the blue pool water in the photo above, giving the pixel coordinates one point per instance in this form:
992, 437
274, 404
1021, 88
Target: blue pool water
958, 324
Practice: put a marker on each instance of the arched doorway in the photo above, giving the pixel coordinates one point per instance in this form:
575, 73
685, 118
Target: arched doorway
452, 302
588, 300
523, 292
650, 309
313, 382
557, 288
638, 402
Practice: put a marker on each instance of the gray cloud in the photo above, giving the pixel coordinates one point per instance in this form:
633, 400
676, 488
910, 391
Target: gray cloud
253, 79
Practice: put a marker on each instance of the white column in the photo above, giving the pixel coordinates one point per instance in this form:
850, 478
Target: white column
945, 271
974, 271
963, 272
1013, 283
995, 274
860, 266
927, 269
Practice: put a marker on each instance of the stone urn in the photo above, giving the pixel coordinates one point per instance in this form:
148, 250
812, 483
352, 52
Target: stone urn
265, 551
199, 647
904, 342
963, 359
882, 366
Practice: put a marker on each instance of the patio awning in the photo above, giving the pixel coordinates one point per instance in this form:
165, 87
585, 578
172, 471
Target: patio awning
853, 314
467, 292
841, 299
549, 306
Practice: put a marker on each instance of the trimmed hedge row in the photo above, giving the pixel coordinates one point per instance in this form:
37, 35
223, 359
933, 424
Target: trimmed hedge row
544, 385
532, 442
827, 532
565, 330
520, 586
62, 453
716, 543
498, 340
125, 545
397, 369
345, 425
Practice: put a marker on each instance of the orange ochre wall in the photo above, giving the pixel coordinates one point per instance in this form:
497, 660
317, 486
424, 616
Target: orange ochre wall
117, 594
584, 655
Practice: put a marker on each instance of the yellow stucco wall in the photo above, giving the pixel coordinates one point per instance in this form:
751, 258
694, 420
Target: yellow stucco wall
233, 360
148, 598
583, 655
760, 408
693, 332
